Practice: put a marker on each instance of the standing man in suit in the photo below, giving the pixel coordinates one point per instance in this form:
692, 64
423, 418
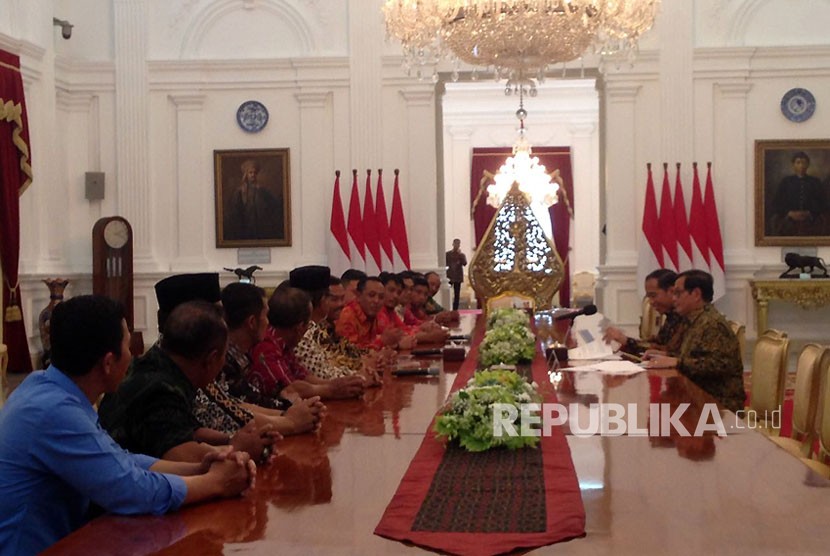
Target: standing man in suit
455, 261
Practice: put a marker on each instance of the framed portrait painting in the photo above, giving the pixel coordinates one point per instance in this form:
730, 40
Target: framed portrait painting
792, 192
253, 205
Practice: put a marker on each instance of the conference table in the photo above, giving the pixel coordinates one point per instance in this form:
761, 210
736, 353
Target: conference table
324, 493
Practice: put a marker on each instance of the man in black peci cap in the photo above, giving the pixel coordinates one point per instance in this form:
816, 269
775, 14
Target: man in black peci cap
152, 412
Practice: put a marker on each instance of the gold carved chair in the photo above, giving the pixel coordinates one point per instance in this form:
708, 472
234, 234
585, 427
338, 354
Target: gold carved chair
805, 400
821, 466
582, 289
4, 382
511, 299
650, 320
769, 373
740, 331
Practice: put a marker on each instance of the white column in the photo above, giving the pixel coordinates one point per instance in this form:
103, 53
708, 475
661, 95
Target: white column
729, 172
419, 190
457, 156
312, 179
131, 122
193, 209
624, 183
676, 82
586, 222
365, 49
80, 153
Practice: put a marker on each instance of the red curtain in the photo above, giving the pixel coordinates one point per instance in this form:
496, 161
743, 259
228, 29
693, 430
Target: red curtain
553, 158
15, 177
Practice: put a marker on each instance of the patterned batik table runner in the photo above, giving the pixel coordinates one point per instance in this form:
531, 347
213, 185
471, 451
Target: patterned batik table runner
489, 502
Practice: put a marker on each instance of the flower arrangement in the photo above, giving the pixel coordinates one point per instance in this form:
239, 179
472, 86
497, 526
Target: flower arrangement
468, 416
508, 339
506, 315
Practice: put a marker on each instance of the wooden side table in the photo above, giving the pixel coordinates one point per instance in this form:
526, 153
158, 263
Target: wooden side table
807, 294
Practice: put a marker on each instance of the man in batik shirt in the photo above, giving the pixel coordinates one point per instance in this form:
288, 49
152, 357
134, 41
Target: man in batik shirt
275, 365
659, 285
709, 355
312, 351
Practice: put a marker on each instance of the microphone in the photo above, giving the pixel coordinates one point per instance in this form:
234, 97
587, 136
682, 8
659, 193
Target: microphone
587, 310
431, 371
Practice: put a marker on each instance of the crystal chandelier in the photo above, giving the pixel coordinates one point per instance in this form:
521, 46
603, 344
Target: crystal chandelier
520, 39
531, 177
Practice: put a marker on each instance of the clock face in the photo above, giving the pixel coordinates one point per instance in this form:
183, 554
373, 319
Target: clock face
116, 234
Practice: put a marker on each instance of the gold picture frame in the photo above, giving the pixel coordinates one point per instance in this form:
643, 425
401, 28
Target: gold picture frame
792, 210
253, 197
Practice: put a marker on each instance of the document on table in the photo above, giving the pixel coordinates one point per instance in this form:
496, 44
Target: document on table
587, 329
611, 367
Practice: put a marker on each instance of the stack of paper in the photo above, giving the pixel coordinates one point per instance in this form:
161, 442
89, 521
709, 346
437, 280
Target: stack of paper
611, 367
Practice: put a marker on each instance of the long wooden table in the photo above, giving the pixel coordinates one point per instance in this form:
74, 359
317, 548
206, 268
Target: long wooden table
325, 493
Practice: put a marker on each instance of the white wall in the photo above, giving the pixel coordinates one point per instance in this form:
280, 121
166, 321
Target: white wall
147, 89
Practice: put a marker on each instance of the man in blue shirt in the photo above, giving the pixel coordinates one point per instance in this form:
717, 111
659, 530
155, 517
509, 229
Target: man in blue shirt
55, 458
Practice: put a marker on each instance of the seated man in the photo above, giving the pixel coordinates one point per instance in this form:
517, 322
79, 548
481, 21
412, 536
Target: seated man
358, 320
659, 285
54, 458
312, 351
432, 307
388, 318
709, 355
275, 366
152, 410
340, 347
350, 279
416, 312
246, 314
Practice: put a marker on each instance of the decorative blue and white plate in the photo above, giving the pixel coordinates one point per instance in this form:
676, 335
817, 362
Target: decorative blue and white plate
798, 105
252, 116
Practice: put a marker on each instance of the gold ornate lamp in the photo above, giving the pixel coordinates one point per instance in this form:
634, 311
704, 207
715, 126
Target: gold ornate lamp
520, 39
515, 255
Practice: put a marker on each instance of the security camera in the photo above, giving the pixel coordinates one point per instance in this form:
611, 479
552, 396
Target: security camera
66, 27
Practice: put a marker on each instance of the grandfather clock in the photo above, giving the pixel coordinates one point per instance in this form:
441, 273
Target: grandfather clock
112, 266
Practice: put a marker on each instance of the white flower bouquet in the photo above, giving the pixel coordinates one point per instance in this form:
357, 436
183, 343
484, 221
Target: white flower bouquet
468, 416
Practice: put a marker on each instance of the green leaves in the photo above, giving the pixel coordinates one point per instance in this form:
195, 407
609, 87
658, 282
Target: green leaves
468, 418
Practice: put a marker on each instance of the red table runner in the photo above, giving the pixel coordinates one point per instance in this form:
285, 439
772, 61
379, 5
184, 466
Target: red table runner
563, 517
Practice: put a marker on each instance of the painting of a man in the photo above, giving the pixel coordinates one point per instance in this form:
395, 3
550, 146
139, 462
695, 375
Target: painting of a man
792, 192
252, 197
800, 203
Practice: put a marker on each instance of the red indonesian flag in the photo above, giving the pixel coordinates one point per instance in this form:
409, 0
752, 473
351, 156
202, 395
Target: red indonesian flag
697, 226
681, 226
355, 227
668, 235
337, 244
370, 230
397, 229
713, 237
382, 218
651, 248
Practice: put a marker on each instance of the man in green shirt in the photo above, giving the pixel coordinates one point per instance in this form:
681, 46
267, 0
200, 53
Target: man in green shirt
709, 354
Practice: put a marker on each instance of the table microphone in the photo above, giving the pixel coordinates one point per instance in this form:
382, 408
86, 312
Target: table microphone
587, 310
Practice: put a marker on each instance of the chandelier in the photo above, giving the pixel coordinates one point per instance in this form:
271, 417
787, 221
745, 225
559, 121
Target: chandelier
531, 178
520, 39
